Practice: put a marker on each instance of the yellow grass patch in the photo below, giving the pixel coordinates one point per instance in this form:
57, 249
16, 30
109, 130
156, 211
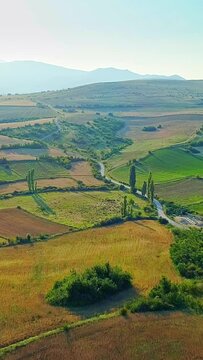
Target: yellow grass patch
28, 272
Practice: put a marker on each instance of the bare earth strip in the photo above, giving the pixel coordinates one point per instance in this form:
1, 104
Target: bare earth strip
15, 222
22, 185
150, 336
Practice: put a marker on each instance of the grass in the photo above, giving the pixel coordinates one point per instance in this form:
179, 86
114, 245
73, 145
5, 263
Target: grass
169, 336
28, 272
167, 165
172, 132
188, 192
18, 170
82, 171
77, 209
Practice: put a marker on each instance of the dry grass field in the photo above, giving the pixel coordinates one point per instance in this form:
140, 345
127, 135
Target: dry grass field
15, 222
172, 132
16, 100
82, 171
41, 183
166, 336
28, 153
5, 140
24, 123
28, 272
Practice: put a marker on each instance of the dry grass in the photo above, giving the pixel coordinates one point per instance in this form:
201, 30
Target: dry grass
15, 222
41, 183
82, 171
6, 140
28, 153
16, 100
176, 128
137, 337
27, 272
19, 124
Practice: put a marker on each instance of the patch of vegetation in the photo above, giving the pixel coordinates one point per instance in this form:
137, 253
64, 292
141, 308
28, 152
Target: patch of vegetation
95, 284
149, 128
167, 296
98, 136
173, 209
187, 252
22, 240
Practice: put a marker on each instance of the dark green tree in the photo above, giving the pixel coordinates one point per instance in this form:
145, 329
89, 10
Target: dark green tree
152, 191
144, 188
124, 207
132, 179
149, 184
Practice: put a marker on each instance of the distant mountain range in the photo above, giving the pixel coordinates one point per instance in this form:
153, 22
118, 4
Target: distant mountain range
32, 76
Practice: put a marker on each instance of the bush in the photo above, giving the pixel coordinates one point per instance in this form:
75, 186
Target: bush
167, 296
93, 285
163, 221
187, 252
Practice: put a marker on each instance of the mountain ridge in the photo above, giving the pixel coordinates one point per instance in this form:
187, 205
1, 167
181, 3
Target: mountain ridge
34, 76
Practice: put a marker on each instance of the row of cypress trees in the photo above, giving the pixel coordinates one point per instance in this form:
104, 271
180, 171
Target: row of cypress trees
147, 187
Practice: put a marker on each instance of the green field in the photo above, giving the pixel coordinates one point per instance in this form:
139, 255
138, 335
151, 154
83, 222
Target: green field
187, 192
77, 209
18, 170
166, 165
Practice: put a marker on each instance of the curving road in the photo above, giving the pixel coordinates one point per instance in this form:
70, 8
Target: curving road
158, 205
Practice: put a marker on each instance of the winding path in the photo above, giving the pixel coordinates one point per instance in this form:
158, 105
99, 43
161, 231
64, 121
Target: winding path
158, 205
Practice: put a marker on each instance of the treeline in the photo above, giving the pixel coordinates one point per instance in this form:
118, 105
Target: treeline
147, 187
31, 145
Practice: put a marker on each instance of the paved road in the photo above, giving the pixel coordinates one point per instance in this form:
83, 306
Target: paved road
158, 205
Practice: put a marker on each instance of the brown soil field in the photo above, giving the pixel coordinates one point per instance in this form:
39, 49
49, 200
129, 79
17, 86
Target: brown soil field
15, 222
163, 336
181, 190
22, 185
28, 272
82, 171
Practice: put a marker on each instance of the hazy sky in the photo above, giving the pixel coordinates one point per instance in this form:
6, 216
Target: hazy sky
146, 36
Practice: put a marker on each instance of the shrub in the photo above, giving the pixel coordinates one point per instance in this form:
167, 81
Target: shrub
186, 252
93, 285
167, 296
163, 221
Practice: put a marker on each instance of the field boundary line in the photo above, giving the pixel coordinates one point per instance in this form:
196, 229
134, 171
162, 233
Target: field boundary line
66, 327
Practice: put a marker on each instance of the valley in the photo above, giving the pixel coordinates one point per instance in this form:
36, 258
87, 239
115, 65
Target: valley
68, 202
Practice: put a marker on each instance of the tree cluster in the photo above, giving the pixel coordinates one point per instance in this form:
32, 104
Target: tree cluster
95, 284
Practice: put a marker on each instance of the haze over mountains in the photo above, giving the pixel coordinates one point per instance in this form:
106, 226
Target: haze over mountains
32, 76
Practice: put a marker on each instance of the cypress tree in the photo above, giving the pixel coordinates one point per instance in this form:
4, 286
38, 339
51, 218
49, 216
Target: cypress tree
144, 188
132, 179
149, 184
152, 191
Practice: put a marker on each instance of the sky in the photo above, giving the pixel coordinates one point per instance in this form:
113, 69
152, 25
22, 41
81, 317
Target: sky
145, 36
